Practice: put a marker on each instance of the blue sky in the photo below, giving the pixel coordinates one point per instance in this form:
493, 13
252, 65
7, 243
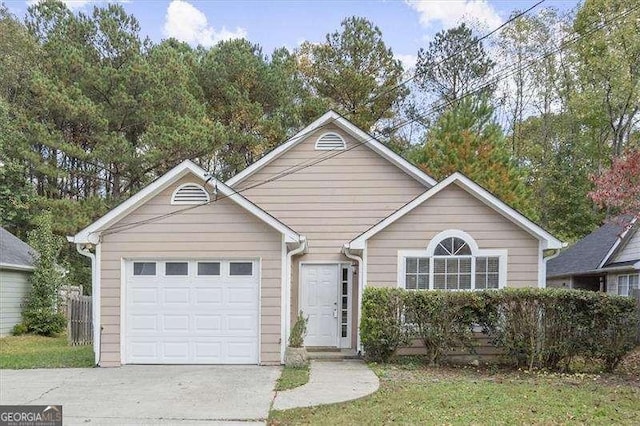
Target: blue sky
406, 25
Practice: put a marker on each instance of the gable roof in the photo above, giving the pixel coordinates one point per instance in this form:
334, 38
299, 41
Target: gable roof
15, 253
550, 242
591, 252
332, 117
91, 233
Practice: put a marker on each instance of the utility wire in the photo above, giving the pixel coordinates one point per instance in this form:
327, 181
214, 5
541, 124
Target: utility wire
504, 73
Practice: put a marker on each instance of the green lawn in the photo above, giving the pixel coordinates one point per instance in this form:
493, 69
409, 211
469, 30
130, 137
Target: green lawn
43, 352
413, 394
292, 378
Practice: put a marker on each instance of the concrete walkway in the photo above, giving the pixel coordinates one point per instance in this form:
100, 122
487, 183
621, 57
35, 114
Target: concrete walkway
330, 382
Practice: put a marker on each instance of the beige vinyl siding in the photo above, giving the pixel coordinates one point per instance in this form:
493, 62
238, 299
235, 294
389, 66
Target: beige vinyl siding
14, 286
453, 208
333, 201
330, 202
220, 230
630, 251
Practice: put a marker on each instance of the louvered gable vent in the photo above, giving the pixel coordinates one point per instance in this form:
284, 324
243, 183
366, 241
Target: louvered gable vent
190, 193
330, 141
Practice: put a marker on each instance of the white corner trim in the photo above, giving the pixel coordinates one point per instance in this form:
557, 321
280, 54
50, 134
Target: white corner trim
549, 241
353, 130
91, 233
617, 243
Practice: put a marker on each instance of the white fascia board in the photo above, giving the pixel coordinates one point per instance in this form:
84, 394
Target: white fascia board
548, 240
348, 127
618, 242
157, 186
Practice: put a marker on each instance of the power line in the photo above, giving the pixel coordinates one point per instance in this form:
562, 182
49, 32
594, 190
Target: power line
504, 73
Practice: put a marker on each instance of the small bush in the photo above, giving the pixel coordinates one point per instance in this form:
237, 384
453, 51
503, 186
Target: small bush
44, 322
381, 329
443, 320
536, 328
298, 331
19, 329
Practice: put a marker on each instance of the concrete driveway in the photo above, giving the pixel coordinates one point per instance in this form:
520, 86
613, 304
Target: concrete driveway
146, 394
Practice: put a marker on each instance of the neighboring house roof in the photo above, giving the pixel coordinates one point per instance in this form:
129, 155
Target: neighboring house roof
550, 242
15, 253
91, 233
591, 252
333, 117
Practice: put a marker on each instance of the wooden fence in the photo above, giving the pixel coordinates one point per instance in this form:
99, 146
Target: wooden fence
79, 320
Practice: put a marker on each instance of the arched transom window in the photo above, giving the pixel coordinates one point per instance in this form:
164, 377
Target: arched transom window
452, 261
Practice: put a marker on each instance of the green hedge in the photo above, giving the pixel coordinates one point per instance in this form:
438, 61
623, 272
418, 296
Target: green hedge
535, 328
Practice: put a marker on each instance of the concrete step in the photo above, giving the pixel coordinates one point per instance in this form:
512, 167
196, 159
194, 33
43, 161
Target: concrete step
331, 355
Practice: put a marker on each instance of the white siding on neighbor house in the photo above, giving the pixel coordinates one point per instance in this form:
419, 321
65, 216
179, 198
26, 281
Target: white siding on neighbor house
220, 230
630, 251
453, 208
14, 287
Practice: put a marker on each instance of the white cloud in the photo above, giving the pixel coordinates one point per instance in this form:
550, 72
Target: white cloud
408, 61
449, 13
186, 23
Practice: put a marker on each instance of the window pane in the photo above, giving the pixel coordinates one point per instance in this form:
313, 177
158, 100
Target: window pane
412, 264
345, 289
176, 268
423, 282
411, 282
423, 265
460, 248
438, 281
345, 274
344, 331
241, 268
144, 268
465, 281
493, 264
452, 266
208, 268
452, 282
492, 281
634, 281
438, 266
481, 281
465, 265
481, 264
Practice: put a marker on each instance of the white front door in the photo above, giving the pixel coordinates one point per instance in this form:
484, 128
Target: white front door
319, 302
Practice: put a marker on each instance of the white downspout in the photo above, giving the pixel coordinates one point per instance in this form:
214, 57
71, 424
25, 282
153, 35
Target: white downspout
346, 251
95, 299
287, 319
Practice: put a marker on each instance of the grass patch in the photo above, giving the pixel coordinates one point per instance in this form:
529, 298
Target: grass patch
414, 394
292, 377
30, 351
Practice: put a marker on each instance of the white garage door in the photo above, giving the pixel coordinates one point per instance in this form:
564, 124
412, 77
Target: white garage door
191, 312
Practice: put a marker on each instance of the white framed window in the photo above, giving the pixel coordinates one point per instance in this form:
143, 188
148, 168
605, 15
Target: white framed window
144, 268
241, 268
190, 193
330, 141
626, 283
452, 261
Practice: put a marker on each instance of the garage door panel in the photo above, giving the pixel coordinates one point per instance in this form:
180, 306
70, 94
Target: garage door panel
192, 319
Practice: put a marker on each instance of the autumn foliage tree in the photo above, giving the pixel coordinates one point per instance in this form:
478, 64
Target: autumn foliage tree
618, 188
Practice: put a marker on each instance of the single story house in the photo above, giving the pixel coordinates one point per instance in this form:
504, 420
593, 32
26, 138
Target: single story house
16, 265
193, 270
608, 260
